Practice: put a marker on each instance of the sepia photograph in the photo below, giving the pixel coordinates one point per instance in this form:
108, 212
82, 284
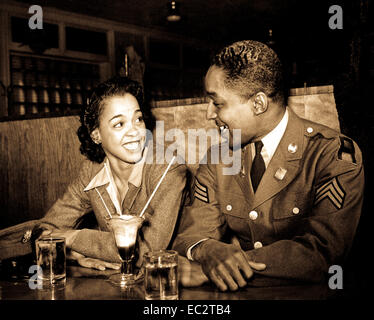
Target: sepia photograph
186, 158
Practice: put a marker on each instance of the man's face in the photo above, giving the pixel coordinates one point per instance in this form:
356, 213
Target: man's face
227, 108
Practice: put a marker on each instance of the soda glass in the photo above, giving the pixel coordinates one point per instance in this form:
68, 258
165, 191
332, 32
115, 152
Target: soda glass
161, 275
51, 261
125, 229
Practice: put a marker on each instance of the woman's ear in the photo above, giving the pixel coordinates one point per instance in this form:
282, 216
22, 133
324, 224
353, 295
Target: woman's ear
260, 103
95, 136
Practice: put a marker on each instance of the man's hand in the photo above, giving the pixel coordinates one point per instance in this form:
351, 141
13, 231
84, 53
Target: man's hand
190, 273
225, 264
91, 262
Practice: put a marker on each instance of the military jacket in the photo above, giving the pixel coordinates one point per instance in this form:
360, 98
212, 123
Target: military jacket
303, 216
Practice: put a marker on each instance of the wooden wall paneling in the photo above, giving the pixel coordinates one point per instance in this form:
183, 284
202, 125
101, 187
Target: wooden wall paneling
4, 176
4, 61
38, 159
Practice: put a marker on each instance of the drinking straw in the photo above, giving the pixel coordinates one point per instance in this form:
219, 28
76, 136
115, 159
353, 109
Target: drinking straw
158, 184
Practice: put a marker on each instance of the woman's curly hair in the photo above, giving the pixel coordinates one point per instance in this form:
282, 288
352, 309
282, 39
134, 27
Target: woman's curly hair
90, 113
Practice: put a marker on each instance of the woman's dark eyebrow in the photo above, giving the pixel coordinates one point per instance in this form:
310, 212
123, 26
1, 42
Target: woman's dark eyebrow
121, 115
116, 116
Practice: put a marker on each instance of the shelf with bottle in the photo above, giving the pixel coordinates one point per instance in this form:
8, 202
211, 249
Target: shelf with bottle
44, 86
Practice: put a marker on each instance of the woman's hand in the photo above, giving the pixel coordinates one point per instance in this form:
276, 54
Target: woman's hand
82, 260
91, 262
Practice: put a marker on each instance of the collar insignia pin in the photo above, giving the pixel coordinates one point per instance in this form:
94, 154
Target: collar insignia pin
281, 172
27, 236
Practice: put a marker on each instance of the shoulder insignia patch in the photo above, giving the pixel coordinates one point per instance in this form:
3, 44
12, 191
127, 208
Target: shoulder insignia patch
201, 191
347, 150
331, 190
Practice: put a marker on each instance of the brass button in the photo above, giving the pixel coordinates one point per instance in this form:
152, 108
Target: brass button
229, 207
253, 215
295, 210
309, 130
258, 245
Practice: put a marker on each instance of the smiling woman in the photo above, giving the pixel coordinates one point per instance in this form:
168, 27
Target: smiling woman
110, 103
122, 130
116, 179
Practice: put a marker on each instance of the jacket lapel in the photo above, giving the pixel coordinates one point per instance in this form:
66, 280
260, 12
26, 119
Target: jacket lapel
243, 177
275, 177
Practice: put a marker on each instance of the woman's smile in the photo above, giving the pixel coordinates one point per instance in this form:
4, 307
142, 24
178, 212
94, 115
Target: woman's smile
132, 145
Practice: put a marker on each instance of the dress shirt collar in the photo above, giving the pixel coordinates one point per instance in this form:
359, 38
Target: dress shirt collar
272, 139
105, 177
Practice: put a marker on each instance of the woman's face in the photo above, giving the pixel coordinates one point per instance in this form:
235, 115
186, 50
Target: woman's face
121, 129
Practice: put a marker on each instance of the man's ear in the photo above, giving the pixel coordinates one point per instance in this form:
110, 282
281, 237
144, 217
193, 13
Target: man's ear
260, 103
95, 136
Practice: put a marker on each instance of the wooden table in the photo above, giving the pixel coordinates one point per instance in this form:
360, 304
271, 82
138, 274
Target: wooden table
89, 284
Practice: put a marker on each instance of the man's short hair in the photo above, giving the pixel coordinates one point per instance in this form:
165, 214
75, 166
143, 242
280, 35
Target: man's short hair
251, 67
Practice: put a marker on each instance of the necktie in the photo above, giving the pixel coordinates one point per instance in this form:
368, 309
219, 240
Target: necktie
258, 166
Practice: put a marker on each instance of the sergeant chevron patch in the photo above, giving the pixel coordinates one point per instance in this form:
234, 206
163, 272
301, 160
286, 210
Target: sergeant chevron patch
201, 191
333, 191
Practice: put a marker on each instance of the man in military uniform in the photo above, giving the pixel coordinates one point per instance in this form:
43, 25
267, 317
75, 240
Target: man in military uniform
294, 206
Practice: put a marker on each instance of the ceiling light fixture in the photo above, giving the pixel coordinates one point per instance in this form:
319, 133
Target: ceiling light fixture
173, 11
